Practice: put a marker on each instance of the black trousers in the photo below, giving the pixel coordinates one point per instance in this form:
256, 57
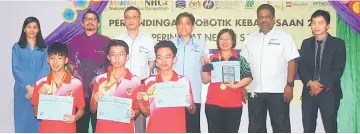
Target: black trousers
223, 120
193, 121
258, 106
82, 125
328, 104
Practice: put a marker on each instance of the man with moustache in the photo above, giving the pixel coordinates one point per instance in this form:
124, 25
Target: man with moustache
271, 54
87, 59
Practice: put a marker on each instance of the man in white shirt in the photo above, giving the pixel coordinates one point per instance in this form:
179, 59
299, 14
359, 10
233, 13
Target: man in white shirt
271, 54
141, 56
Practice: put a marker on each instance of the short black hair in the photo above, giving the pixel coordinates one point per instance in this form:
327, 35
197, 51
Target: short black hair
58, 48
185, 14
231, 32
93, 12
322, 13
132, 8
115, 42
267, 7
168, 44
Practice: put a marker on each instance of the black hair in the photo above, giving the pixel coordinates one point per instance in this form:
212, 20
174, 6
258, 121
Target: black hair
231, 32
168, 44
115, 42
185, 14
322, 13
58, 49
267, 7
132, 8
39, 38
93, 12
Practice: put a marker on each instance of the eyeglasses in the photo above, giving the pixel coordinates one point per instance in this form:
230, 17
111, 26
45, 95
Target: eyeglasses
90, 19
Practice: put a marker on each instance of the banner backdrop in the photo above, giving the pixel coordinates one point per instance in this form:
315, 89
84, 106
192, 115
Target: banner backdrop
158, 20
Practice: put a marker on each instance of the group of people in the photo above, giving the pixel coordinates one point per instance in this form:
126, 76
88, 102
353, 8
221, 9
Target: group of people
92, 66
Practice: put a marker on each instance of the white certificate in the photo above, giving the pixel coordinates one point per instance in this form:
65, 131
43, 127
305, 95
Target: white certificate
53, 107
171, 94
114, 109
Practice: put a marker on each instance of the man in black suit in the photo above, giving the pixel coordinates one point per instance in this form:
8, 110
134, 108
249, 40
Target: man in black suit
321, 66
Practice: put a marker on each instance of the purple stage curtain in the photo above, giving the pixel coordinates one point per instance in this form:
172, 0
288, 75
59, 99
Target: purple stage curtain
347, 15
66, 31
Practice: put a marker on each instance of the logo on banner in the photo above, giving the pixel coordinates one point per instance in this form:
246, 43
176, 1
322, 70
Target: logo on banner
296, 4
156, 5
194, 4
180, 4
208, 4
274, 4
227, 4
249, 4
322, 4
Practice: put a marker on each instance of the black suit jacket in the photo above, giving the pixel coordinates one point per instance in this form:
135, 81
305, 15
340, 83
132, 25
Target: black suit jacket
332, 64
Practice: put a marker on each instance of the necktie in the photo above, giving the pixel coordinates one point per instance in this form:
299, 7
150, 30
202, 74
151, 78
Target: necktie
317, 62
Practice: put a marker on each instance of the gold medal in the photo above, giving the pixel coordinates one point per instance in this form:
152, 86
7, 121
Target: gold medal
129, 91
222, 86
146, 97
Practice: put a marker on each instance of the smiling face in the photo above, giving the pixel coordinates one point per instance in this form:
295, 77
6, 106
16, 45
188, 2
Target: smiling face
266, 20
57, 62
165, 59
31, 30
319, 26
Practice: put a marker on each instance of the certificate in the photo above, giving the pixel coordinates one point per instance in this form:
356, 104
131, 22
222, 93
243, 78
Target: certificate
53, 107
171, 94
114, 109
225, 71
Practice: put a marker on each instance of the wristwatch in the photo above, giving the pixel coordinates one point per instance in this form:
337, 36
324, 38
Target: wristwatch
291, 84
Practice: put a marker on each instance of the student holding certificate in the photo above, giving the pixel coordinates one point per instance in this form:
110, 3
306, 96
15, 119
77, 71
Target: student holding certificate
223, 106
166, 110
59, 86
119, 86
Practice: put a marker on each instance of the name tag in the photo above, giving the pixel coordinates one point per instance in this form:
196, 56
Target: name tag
195, 50
143, 49
274, 43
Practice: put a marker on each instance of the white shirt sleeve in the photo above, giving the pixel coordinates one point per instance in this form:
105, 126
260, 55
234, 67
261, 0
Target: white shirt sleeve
290, 50
244, 50
152, 51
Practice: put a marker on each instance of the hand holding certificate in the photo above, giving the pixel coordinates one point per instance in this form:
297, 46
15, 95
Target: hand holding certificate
115, 109
225, 71
172, 94
53, 107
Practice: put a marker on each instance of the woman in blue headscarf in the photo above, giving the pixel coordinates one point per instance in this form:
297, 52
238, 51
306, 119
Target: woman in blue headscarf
29, 64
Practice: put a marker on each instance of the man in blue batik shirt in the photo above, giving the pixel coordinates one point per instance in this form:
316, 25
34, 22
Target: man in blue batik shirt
189, 65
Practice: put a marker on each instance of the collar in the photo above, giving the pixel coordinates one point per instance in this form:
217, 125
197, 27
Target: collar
190, 42
175, 77
127, 76
66, 81
273, 29
233, 54
326, 37
93, 36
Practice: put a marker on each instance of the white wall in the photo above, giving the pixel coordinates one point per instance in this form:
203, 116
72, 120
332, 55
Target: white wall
12, 15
